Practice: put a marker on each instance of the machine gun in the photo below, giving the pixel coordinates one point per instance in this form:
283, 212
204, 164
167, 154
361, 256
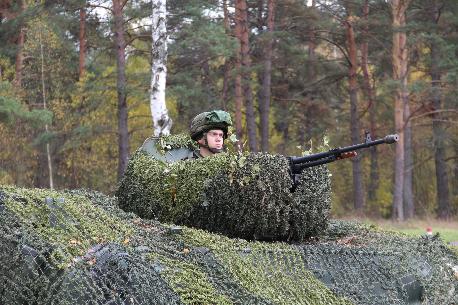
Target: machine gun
298, 164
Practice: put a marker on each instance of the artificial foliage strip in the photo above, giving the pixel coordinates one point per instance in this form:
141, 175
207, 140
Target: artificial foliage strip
240, 195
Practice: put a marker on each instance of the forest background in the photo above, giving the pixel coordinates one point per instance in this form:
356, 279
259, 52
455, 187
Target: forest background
295, 75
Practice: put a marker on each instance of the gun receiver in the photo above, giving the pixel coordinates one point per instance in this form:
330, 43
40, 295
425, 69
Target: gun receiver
297, 164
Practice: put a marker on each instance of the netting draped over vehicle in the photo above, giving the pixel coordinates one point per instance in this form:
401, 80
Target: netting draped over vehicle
247, 196
78, 247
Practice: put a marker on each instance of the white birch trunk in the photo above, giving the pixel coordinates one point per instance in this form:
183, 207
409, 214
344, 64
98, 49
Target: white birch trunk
161, 120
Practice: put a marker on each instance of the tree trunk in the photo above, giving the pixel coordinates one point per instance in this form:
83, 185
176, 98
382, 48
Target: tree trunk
369, 91
260, 21
120, 45
161, 120
439, 136
282, 125
20, 51
241, 17
311, 71
226, 81
399, 63
305, 134
82, 41
227, 62
238, 82
408, 197
43, 92
455, 171
354, 120
206, 82
264, 102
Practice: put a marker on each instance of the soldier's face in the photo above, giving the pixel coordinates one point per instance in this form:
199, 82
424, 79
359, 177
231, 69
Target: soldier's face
215, 138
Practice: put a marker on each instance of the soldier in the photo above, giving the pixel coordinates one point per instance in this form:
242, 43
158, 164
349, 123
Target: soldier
209, 130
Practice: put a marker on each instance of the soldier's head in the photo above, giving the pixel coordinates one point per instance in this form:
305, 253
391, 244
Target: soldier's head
209, 130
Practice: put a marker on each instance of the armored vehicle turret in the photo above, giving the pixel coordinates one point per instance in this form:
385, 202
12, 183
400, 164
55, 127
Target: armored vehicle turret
245, 195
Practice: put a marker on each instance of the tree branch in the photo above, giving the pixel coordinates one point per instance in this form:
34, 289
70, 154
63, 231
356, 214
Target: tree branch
135, 38
124, 4
339, 47
100, 6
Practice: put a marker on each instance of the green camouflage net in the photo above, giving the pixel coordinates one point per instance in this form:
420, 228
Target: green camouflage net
246, 196
311, 203
59, 248
166, 143
78, 247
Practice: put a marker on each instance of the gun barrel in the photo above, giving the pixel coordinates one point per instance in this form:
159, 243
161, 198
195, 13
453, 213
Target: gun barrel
392, 138
389, 139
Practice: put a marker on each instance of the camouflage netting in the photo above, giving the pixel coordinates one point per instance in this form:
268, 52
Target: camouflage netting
246, 196
78, 247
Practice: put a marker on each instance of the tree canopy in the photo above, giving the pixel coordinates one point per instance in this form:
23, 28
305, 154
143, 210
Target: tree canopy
293, 74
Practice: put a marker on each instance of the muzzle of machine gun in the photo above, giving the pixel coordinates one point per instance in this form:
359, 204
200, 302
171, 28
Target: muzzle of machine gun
298, 164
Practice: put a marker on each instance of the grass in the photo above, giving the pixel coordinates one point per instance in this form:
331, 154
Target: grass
448, 230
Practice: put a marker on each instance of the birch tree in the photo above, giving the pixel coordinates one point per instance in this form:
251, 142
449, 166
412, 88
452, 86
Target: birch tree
161, 120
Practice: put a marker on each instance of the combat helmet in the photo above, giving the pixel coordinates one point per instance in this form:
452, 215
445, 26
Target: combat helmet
205, 121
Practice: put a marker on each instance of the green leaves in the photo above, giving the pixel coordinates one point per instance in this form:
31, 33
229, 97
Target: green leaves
11, 110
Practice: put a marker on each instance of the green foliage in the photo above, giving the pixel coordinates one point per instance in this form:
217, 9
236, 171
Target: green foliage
7, 69
11, 109
309, 87
197, 58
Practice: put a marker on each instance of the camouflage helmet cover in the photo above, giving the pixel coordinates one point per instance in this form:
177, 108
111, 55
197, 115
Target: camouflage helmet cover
203, 122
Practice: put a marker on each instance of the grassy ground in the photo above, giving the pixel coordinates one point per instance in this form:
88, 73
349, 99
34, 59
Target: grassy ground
448, 230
